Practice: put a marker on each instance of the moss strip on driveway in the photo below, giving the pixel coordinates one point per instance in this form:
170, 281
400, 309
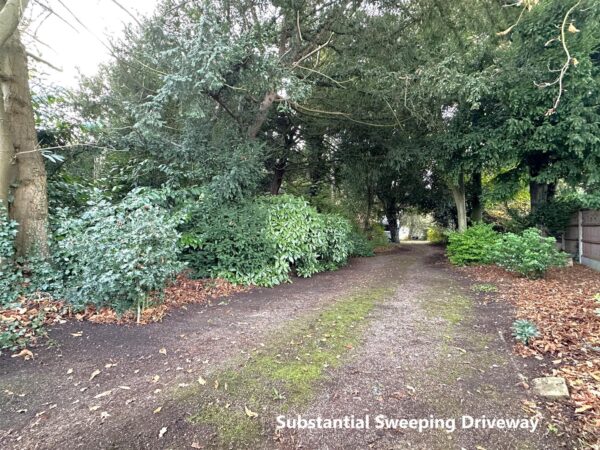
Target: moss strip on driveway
241, 402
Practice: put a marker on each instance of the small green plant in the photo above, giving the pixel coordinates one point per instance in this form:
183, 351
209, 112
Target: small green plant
528, 254
437, 235
524, 331
473, 246
484, 287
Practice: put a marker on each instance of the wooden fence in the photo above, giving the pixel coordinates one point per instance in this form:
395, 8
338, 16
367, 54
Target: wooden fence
582, 238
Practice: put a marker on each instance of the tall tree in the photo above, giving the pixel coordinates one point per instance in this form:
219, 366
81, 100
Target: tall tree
21, 162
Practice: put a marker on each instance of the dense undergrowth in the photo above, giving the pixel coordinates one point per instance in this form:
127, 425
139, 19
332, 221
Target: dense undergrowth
121, 255
528, 254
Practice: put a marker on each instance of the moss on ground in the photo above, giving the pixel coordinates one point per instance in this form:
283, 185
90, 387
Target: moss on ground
451, 362
285, 373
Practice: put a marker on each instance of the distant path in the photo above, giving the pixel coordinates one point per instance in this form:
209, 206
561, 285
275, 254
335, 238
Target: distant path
429, 349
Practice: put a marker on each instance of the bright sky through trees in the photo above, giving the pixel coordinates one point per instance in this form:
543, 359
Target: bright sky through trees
76, 41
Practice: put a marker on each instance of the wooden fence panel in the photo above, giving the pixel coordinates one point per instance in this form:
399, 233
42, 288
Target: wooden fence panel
582, 237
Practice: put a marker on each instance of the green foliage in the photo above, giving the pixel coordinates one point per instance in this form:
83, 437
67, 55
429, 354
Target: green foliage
473, 246
117, 255
10, 276
554, 215
260, 241
437, 235
8, 232
524, 331
376, 236
528, 254
16, 334
361, 246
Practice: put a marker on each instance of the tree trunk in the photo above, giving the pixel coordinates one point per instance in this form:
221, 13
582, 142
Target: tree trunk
540, 194
7, 150
11, 12
261, 115
367, 221
391, 215
277, 179
476, 205
458, 193
30, 206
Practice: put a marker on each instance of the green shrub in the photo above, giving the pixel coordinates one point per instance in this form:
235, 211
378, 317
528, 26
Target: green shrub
260, 241
437, 235
117, 255
230, 242
528, 254
361, 246
524, 331
377, 237
473, 246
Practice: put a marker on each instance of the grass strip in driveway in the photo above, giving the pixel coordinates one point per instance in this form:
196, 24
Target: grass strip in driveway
240, 403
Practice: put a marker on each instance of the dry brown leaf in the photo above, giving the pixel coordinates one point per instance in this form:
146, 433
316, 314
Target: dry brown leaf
250, 413
103, 394
25, 354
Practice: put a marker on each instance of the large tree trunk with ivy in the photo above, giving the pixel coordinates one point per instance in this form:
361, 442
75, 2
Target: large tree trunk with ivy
30, 205
457, 188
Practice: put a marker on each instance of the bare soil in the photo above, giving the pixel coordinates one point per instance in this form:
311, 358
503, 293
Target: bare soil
433, 348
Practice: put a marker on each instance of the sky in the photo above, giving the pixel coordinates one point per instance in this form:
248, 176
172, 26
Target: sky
75, 43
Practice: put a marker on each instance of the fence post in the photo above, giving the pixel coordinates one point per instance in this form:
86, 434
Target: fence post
580, 235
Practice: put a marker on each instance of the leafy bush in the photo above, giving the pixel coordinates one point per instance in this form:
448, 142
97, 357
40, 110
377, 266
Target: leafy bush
524, 331
436, 235
230, 242
529, 254
10, 276
361, 246
260, 241
473, 246
117, 255
377, 237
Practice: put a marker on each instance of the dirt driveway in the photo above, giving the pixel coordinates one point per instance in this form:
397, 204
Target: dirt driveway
397, 336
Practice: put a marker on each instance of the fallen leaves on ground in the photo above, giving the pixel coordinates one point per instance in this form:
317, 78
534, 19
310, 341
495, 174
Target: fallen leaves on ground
28, 314
563, 308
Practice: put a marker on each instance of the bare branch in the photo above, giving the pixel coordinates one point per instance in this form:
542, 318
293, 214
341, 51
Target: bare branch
43, 61
129, 13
